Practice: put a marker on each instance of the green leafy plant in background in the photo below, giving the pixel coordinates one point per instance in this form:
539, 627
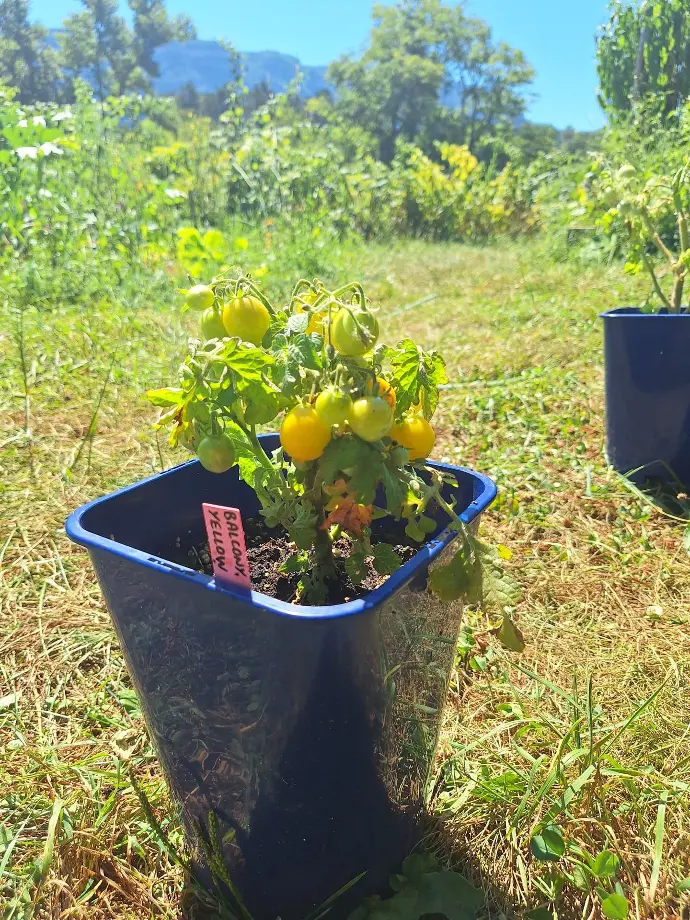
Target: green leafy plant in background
642, 55
646, 205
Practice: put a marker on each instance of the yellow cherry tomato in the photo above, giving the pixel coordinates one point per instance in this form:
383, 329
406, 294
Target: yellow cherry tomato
371, 418
383, 389
246, 318
304, 434
416, 434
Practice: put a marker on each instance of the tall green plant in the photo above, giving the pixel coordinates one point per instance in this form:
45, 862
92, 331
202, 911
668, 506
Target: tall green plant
644, 52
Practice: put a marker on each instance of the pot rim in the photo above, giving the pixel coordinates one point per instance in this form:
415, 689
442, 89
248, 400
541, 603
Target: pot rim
662, 313
426, 554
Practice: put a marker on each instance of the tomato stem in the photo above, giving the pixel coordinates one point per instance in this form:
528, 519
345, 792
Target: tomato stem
244, 281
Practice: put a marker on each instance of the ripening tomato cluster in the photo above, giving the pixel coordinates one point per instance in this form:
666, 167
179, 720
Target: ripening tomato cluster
243, 317
306, 430
353, 332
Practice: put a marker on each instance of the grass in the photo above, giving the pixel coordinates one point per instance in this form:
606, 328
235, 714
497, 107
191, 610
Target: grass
585, 734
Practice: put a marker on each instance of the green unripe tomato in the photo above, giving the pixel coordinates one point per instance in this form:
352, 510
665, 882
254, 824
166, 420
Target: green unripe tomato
371, 418
333, 406
627, 171
212, 325
200, 297
354, 332
216, 453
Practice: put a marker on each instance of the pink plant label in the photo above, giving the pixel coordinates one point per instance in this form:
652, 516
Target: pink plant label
227, 545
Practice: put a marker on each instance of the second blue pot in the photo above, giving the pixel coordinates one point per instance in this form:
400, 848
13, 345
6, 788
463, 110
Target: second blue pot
647, 367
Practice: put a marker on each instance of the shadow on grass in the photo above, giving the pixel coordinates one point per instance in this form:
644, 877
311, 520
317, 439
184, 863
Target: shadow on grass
199, 904
666, 494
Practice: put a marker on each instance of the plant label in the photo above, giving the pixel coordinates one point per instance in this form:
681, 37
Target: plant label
227, 545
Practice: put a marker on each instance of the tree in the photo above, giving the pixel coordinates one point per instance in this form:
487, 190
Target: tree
99, 43
153, 28
394, 87
430, 72
188, 97
644, 52
26, 60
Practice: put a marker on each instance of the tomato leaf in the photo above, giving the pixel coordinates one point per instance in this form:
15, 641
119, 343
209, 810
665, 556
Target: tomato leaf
395, 488
305, 350
246, 361
451, 581
366, 476
262, 405
356, 567
386, 560
360, 461
296, 564
509, 635
302, 529
291, 354
341, 454
491, 587
166, 396
418, 375
298, 322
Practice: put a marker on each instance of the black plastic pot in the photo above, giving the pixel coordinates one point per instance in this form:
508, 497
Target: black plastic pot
308, 731
647, 365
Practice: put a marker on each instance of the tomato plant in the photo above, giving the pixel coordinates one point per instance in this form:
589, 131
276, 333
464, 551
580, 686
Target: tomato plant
355, 419
654, 211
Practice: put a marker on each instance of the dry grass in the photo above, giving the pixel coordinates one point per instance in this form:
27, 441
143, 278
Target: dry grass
605, 591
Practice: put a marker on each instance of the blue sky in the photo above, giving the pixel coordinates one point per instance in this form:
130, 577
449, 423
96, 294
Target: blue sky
557, 37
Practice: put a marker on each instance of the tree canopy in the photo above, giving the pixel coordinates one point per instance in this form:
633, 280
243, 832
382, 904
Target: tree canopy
643, 52
26, 61
430, 70
98, 42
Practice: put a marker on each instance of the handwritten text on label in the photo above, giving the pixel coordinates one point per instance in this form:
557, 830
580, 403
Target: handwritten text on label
227, 545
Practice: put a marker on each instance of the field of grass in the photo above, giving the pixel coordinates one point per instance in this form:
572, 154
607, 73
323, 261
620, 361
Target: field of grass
588, 730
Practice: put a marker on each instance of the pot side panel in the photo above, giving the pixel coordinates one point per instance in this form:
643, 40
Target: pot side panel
311, 740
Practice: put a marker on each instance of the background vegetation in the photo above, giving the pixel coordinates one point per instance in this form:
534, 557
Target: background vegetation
562, 780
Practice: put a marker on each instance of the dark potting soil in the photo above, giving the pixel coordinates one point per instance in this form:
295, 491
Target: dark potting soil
268, 549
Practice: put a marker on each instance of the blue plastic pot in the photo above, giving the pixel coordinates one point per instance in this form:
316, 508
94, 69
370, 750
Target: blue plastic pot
647, 365
308, 731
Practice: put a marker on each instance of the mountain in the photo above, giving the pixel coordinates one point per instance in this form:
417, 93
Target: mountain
205, 64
